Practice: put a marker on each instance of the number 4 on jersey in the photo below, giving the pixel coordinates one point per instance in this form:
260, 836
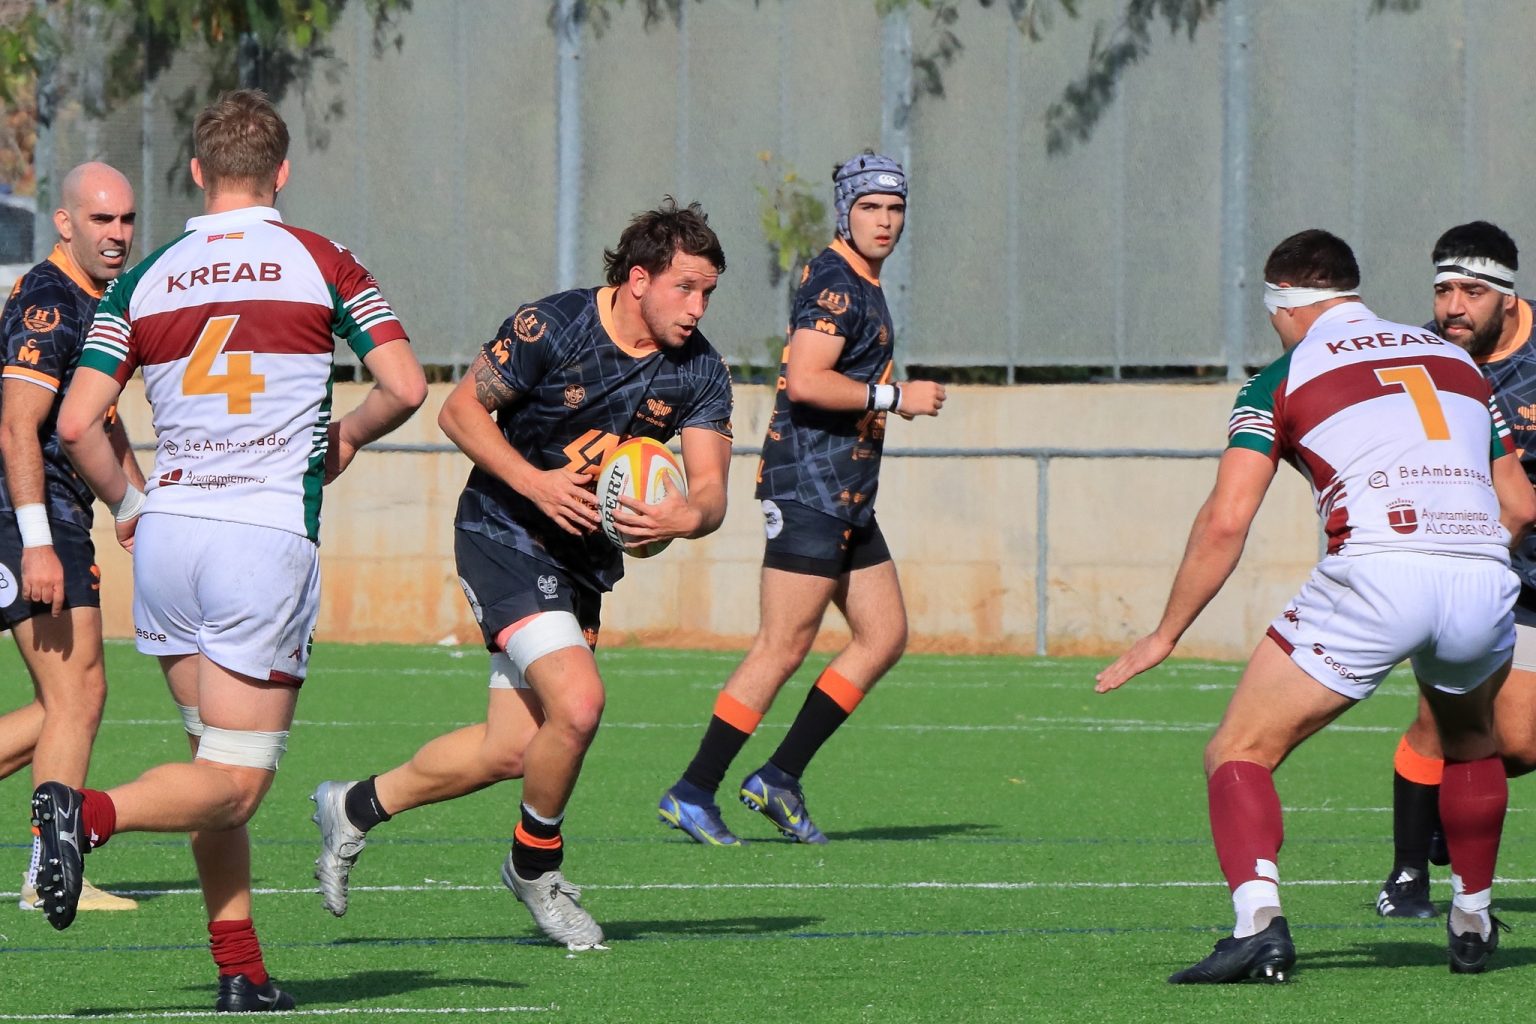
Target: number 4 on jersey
237, 383
589, 451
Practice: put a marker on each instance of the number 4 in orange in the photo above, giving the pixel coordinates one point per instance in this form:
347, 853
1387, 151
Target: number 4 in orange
1415, 380
237, 383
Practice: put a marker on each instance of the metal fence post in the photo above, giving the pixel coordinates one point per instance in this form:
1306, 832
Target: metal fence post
896, 142
1042, 548
1235, 144
567, 143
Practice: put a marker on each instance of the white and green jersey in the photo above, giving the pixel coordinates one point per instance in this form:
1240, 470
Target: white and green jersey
1394, 427
234, 324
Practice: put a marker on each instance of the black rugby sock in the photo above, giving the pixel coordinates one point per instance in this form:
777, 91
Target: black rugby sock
1415, 816
818, 719
722, 742
363, 808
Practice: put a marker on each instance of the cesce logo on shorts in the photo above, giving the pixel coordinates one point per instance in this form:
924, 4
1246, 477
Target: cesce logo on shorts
144, 634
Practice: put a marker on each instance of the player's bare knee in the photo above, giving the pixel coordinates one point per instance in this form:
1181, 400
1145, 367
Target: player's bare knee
576, 716
249, 759
1222, 749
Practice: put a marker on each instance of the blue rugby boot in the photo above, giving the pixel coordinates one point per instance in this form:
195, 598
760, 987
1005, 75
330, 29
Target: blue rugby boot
778, 797
698, 821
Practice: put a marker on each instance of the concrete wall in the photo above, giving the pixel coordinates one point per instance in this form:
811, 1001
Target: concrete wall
963, 531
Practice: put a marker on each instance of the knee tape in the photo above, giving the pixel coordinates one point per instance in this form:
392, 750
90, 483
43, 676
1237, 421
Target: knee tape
190, 719
243, 748
544, 634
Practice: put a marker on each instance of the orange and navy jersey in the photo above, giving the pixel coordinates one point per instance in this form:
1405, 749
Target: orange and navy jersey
234, 326
579, 394
43, 331
830, 461
1513, 379
1394, 427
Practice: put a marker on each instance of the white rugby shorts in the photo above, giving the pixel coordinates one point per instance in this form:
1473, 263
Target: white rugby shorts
244, 596
1358, 616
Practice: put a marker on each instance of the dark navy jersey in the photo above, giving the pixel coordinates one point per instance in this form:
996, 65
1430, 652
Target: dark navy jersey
1513, 380
830, 460
43, 330
579, 395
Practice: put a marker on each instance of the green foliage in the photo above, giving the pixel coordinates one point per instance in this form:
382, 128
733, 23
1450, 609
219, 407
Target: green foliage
793, 219
599, 13
25, 44
1072, 118
271, 44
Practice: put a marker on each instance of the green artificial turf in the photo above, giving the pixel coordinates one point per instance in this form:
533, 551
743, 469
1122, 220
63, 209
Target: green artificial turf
1006, 846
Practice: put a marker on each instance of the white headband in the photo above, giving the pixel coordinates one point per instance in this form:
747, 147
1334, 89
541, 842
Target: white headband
1477, 268
1276, 297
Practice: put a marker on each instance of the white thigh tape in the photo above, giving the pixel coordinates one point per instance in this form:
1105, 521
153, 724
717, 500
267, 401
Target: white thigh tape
547, 633
243, 748
504, 674
190, 719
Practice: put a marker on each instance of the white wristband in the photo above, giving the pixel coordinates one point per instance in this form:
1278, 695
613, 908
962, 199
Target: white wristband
32, 521
886, 396
131, 504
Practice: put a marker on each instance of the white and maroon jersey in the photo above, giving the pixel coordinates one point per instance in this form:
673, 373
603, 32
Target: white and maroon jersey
234, 324
1394, 427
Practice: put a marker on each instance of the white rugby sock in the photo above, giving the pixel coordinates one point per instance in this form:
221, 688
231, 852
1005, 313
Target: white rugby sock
1257, 903
1469, 911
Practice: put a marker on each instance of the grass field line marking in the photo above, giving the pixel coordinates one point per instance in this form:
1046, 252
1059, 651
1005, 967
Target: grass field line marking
1329, 809
285, 1014
1038, 723
793, 887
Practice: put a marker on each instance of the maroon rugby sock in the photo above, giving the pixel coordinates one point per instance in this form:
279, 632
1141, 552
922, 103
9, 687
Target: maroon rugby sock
1473, 798
1245, 821
236, 949
98, 814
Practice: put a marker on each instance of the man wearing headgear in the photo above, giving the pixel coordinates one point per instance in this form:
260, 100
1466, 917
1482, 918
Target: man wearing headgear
1477, 308
1420, 492
817, 483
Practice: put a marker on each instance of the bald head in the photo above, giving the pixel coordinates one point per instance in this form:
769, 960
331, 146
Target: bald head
95, 222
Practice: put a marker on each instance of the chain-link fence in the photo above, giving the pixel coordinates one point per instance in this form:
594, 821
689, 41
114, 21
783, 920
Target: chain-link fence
491, 158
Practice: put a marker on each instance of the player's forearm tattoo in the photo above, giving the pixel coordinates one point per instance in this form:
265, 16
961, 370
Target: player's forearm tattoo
490, 390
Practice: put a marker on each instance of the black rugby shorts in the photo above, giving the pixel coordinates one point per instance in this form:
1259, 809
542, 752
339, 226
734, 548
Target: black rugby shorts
812, 543
82, 578
504, 585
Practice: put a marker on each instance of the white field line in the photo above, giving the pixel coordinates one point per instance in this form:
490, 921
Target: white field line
283, 1015
806, 886
1019, 725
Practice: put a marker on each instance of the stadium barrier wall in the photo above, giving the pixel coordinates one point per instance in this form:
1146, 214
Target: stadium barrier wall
963, 530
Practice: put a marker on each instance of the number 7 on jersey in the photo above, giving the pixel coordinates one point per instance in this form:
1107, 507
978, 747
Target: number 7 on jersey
1415, 380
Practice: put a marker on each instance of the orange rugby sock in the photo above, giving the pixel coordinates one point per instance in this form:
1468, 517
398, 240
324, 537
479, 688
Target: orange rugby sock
1415, 767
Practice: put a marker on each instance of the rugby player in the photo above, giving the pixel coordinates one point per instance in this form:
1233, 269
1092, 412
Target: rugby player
234, 324
50, 587
1417, 568
817, 483
563, 382
1476, 307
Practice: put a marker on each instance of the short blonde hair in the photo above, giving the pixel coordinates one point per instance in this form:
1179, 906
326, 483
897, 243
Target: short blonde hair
240, 140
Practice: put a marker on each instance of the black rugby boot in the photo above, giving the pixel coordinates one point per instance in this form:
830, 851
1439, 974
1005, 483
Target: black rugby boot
1267, 956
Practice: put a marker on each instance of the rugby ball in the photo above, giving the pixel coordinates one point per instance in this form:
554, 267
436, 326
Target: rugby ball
643, 470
